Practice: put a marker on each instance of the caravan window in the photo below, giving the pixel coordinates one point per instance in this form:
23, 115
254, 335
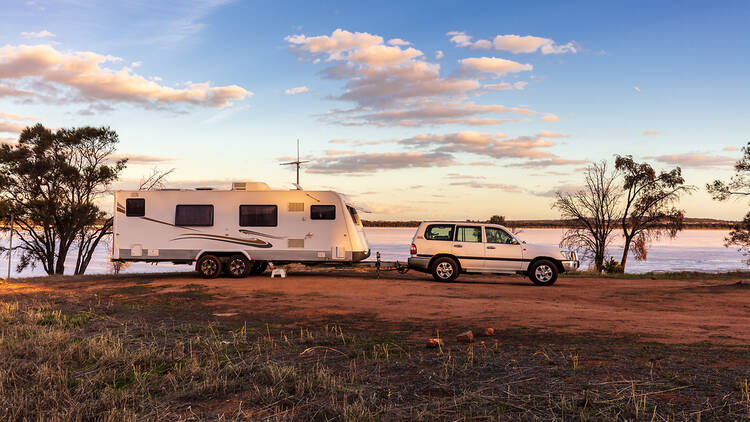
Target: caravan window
259, 215
322, 212
135, 207
194, 215
354, 214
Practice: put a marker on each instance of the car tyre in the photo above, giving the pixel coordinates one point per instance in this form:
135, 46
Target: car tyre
208, 266
258, 267
238, 266
444, 269
543, 273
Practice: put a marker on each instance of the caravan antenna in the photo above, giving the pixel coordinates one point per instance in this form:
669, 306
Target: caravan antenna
297, 163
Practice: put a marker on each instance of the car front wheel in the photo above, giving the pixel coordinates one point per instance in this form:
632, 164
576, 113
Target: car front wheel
543, 273
445, 269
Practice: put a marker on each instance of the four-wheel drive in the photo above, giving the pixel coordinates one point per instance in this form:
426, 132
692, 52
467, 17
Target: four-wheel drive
445, 249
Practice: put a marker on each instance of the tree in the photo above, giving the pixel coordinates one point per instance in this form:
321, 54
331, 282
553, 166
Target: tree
51, 181
649, 210
738, 186
497, 219
593, 211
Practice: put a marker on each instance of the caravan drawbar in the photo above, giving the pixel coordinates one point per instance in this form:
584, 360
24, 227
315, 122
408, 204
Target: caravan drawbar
238, 231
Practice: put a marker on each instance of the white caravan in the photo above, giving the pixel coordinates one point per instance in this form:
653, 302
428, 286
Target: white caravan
236, 231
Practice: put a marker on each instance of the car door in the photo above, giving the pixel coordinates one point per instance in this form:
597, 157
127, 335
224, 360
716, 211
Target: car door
502, 252
468, 247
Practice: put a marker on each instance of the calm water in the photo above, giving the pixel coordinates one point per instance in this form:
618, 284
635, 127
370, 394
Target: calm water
692, 250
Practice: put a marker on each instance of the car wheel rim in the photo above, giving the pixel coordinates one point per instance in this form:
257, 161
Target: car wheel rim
237, 267
208, 266
444, 270
543, 273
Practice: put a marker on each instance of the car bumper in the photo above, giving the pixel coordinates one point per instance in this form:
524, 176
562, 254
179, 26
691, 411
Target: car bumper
570, 265
418, 263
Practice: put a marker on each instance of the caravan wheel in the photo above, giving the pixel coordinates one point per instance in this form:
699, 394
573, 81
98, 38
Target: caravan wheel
238, 266
208, 266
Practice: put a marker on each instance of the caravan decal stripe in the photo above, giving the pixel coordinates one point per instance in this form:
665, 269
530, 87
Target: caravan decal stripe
168, 224
244, 243
244, 231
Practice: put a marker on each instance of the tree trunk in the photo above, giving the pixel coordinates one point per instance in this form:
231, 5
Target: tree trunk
625, 250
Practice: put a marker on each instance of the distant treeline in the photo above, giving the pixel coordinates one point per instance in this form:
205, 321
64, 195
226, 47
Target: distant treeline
689, 223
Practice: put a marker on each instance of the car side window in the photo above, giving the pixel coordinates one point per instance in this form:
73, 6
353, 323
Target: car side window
439, 232
468, 234
495, 235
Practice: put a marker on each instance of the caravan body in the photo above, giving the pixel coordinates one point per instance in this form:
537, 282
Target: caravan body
250, 220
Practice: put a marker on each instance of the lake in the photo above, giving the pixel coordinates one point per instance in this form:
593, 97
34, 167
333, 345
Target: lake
691, 250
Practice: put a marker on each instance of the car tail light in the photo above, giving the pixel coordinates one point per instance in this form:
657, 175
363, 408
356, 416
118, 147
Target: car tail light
413, 249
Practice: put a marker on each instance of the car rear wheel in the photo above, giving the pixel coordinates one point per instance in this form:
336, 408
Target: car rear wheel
543, 273
444, 269
238, 266
208, 266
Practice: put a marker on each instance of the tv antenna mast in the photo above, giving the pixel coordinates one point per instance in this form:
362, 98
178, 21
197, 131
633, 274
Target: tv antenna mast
297, 163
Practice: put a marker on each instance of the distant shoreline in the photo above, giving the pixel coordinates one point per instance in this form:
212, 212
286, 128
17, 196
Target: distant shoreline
689, 224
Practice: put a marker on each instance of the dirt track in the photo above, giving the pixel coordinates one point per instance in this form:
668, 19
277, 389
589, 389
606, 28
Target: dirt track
670, 311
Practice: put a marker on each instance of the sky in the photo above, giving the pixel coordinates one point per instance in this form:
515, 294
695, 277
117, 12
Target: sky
416, 110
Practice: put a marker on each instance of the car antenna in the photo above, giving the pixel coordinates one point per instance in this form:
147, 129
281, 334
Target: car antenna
297, 163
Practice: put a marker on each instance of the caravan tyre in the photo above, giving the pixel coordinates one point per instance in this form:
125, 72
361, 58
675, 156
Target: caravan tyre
238, 266
259, 267
208, 266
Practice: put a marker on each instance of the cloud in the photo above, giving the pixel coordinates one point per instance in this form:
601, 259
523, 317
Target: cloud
494, 65
41, 34
11, 116
395, 85
494, 186
371, 163
531, 149
8, 127
482, 163
557, 161
694, 159
548, 134
50, 76
335, 152
338, 141
141, 159
550, 118
559, 188
650, 132
439, 54
296, 90
398, 41
730, 148
426, 113
505, 86
513, 43
637, 88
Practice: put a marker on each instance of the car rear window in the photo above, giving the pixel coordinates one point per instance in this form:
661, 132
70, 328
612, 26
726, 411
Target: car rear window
439, 232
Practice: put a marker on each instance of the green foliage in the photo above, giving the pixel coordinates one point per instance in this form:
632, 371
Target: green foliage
497, 219
613, 267
50, 180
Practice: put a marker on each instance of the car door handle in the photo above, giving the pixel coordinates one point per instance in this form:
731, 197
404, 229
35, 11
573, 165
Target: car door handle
490, 247
458, 246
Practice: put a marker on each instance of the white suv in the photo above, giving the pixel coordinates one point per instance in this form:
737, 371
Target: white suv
446, 248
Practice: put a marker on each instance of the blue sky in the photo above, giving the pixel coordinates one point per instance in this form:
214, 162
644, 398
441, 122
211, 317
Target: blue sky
521, 96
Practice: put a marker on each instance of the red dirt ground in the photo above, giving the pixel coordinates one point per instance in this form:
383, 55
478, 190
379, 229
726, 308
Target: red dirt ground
669, 311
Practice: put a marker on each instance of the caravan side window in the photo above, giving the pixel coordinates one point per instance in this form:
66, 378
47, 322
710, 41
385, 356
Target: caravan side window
322, 212
194, 215
259, 216
135, 207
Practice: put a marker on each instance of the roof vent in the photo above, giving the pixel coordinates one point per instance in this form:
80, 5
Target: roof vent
249, 186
